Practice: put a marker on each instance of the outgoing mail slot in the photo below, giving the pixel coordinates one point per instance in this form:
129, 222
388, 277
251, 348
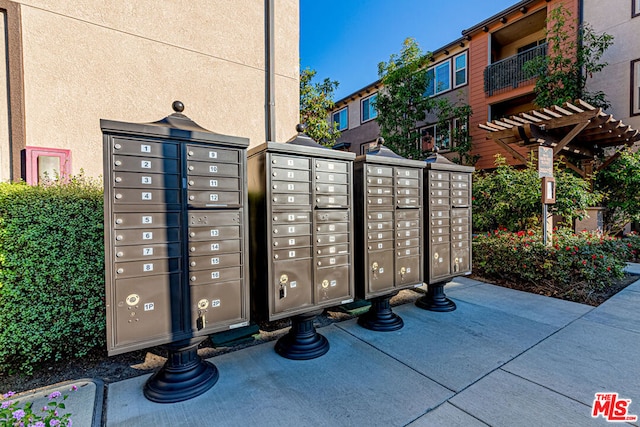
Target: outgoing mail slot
290, 283
213, 218
142, 310
213, 198
146, 268
145, 180
216, 247
334, 227
290, 199
291, 230
145, 164
147, 236
145, 196
278, 174
332, 216
212, 169
214, 275
218, 183
291, 253
335, 178
144, 148
214, 261
332, 282
146, 220
290, 162
331, 166
200, 152
217, 303
148, 251
213, 232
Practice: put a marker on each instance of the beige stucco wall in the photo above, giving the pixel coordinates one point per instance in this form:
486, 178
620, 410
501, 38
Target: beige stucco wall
122, 60
614, 17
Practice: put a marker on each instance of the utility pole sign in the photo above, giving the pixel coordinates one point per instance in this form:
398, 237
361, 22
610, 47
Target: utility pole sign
545, 162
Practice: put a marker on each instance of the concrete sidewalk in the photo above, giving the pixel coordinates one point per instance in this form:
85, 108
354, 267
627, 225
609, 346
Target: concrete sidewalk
503, 358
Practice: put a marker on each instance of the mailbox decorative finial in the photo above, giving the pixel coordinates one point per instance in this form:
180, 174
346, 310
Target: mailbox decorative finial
301, 128
177, 106
380, 141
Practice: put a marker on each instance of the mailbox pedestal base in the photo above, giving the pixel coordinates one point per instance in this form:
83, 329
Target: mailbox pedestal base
435, 299
380, 318
184, 376
302, 342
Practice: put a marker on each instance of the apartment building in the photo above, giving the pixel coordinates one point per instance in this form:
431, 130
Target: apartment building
234, 65
495, 85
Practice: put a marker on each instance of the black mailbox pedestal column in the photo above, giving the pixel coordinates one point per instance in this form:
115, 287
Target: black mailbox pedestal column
183, 376
435, 299
380, 317
302, 342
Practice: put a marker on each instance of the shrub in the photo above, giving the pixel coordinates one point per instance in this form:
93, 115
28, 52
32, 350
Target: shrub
51, 273
511, 198
575, 267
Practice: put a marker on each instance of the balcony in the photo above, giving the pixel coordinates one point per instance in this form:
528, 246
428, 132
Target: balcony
508, 73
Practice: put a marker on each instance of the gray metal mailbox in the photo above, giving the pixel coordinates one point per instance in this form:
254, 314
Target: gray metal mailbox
447, 196
176, 220
389, 232
301, 199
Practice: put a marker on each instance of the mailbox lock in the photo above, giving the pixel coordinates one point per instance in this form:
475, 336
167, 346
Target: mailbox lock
402, 271
276, 256
284, 279
133, 299
436, 256
118, 163
117, 146
192, 234
119, 221
118, 179
202, 304
190, 153
192, 249
191, 168
118, 196
193, 263
118, 237
191, 182
119, 254
325, 283
275, 243
193, 278
120, 271
192, 197
374, 266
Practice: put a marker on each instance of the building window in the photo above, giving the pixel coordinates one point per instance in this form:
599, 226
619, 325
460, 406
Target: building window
44, 165
460, 70
635, 87
442, 77
635, 8
438, 135
340, 117
368, 108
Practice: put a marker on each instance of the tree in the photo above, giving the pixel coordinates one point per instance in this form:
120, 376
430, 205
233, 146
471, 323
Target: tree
571, 60
511, 198
402, 103
316, 100
620, 184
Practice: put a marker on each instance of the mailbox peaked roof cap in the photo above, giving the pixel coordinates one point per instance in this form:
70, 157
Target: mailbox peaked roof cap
303, 139
174, 126
438, 161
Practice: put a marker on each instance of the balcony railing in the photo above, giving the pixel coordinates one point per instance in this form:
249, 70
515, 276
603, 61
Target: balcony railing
508, 73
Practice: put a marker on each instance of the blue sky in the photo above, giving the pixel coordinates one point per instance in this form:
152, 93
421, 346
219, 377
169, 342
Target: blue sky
346, 39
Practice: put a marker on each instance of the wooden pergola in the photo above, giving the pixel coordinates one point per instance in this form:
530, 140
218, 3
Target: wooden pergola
577, 131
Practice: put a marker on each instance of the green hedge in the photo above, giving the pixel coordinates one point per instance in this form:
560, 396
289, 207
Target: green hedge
575, 267
51, 273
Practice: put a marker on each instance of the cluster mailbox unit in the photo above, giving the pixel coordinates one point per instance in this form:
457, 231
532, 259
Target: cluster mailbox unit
447, 198
175, 244
301, 199
389, 232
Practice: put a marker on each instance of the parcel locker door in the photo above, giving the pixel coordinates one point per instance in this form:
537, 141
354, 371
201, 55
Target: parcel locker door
440, 261
460, 257
332, 282
408, 271
380, 271
144, 308
213, 304
291, 281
